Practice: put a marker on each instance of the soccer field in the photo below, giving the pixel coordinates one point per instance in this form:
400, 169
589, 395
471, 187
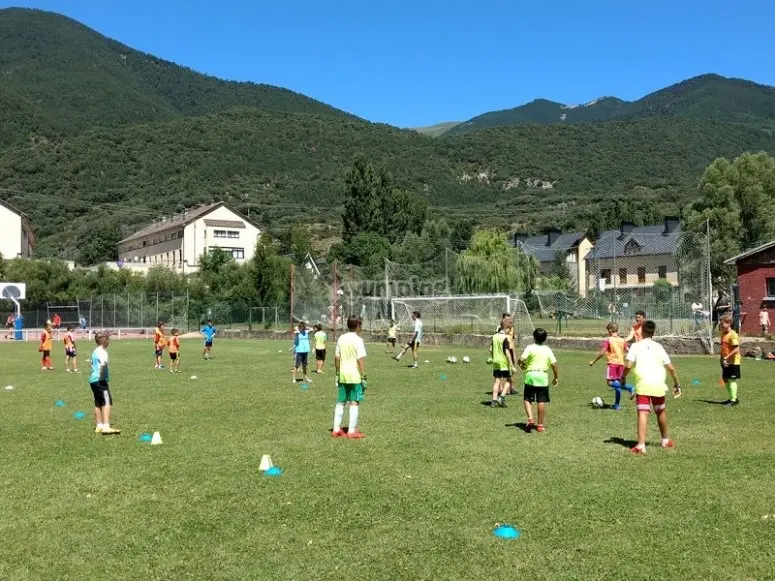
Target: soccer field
417, 499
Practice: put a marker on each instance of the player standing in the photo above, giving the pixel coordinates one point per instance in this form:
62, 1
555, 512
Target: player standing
350, 364
415, 341
730, 359
301, 349
320, 339
46, 341
99, 382
174, 350
70, 351
536, 360
613, 349
649, 363
208, 332
392, 337
502, 355
159, 342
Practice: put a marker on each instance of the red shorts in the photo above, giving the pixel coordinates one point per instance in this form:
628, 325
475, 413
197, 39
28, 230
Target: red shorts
614, 372
644, 403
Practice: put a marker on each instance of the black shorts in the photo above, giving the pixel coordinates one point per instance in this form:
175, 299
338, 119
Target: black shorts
501, 374
301, 359
320, 354
730, 372
173, 356
208, 344
158, 352
392, 341
46, 354
538, 394
101, 392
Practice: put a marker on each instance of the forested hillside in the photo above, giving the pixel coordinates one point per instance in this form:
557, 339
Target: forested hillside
97, 139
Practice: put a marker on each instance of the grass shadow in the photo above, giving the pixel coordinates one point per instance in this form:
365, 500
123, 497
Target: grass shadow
712, 402
620, 442
522, 426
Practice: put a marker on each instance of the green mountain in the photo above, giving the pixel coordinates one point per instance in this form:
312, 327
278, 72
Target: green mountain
93, 145
437, 130
71, 79
708, 97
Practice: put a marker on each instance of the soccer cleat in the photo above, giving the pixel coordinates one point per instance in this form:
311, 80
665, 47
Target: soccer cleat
638, 450
668, 444
731, 403
616, 407
307, 380
356, 435
338, 433
68, 371
629, 388
531, 423
98, 430
540, 428
677, 393
502, 402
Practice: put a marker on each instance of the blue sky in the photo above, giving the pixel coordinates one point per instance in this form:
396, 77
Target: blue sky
413, 63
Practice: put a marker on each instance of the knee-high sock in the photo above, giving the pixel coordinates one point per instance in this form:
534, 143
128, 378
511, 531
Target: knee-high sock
732, 389
338, 414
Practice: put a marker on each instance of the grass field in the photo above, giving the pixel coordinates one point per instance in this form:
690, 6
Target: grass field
417, 499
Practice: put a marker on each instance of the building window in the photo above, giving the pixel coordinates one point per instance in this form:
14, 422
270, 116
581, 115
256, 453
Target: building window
232, 234
219, 233
641, 274
662, 271
622, 276
238, 253
771, 287
180, 256
605, 274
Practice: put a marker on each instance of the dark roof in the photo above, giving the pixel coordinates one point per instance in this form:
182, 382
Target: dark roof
184, 219
537, 245
750, 252
641, 241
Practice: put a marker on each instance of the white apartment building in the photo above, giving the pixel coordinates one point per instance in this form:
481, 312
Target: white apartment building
17, 239
179, 241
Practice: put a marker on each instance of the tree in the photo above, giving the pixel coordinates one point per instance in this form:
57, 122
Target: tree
301, 243
98, 244
663, 291
374, 204
559, 267
736, 203
270, 273
489, 265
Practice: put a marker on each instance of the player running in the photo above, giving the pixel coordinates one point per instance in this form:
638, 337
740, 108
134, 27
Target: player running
613, 349
636, 332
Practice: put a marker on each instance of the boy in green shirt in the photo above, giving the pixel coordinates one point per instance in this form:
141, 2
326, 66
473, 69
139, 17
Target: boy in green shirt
502, 363
536, 361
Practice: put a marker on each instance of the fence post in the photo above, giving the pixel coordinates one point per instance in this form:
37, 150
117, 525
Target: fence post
142, 300
114, 310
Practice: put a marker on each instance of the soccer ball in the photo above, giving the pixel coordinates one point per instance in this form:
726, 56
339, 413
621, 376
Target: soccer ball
598, 402
466, 359
451, 359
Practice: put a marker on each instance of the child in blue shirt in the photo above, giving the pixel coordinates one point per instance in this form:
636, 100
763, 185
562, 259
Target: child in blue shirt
208, 332
301, 349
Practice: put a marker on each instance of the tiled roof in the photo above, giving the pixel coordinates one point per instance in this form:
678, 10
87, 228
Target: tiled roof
750, 252
537, 245
641, 241
176, 221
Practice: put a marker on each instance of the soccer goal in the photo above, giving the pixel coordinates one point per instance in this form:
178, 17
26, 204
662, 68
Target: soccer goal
475, 314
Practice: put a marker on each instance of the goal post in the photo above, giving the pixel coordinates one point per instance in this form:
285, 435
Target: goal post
475, 314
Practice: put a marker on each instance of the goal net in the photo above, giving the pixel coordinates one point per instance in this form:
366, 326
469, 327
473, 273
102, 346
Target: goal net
476, 314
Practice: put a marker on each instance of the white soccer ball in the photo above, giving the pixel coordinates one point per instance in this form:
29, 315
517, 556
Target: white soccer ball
466, 359
598, 402
9, 388
451, 359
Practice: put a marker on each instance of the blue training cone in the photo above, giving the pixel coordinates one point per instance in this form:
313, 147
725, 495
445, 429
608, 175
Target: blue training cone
443, 377
79, 415
273, 471
506, 532
59, 403
146, 437
695, 382
304, 386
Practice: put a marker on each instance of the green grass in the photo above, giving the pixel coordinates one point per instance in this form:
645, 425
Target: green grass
417, 499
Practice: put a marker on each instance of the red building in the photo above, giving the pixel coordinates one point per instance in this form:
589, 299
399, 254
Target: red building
756, 285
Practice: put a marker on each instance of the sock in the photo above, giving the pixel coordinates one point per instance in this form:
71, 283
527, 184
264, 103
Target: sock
400, 354
100, 426
353, 418
338, 414
618, 395
732, 389
665, 441
729, 390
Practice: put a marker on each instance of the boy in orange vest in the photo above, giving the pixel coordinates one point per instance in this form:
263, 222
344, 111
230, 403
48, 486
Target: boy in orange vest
174, 349
46, 341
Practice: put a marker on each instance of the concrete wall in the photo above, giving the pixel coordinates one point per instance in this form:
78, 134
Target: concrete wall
675, 346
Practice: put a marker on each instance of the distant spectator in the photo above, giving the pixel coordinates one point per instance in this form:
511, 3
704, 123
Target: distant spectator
721, 307
56, 321
764, 319
697, 312
82, 322
9, 322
